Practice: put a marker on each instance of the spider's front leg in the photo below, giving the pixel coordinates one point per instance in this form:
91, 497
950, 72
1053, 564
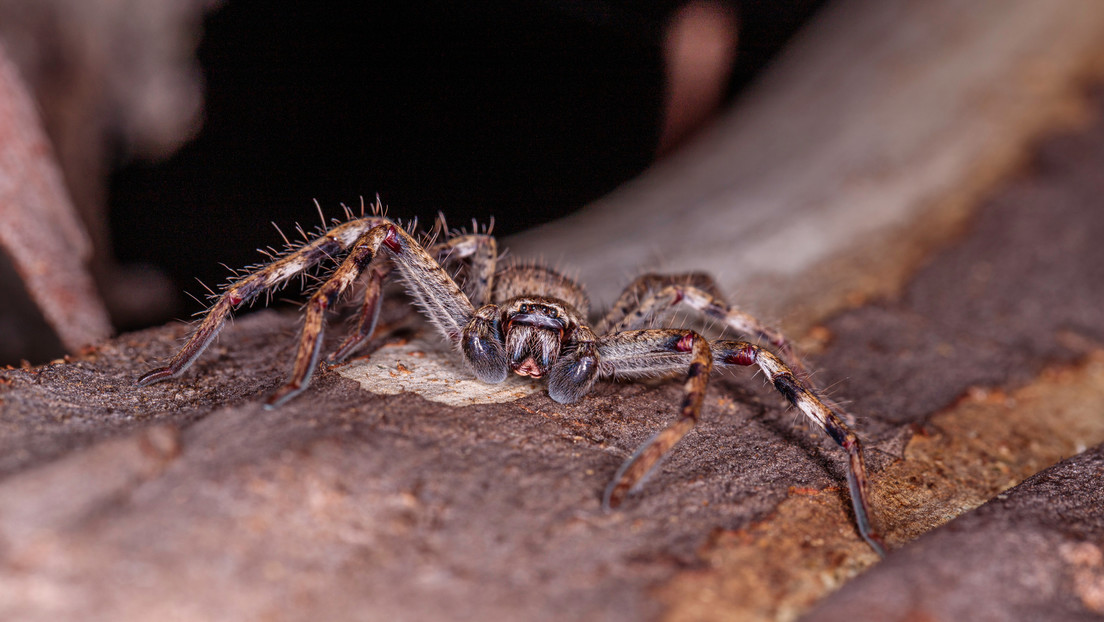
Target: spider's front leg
478, 251
481, 343
647, 353
431, 287
577, 369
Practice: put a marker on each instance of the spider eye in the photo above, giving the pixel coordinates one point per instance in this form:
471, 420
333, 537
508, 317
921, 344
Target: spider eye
552, 313
525, 308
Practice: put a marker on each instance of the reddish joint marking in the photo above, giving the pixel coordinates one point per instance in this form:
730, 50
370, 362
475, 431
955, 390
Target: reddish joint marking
392, 239
234, 299
686, 343
744, 356
679, 295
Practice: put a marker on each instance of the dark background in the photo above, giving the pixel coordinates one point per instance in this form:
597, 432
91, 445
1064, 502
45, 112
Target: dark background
526, 111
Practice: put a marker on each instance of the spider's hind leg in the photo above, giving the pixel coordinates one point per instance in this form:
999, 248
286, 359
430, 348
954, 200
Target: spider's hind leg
650, 352
247, 288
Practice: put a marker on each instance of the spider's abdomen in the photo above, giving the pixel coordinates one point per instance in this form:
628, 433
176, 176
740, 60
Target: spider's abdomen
533, 280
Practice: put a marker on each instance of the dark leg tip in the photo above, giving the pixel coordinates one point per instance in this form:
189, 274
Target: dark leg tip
614, 495
348, 347
154, 376
875, 543
283, 395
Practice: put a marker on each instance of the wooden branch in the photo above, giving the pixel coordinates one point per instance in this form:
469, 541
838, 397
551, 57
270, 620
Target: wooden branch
866, 145
39, 229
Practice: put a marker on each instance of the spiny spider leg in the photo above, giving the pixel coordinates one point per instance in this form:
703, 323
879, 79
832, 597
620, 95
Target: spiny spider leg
481, 252
746, 354
645, 353
368, 316
247, 288
623, 351
649, 296
430, 286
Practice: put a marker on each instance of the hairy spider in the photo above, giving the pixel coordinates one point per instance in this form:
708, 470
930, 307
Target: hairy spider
530, 320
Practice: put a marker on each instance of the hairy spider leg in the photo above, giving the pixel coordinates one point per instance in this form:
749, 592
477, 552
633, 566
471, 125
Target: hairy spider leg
480, 252
431, 287
742, 353
646, 353
635, 353
650, 296
577, 368
377, 271
243, 290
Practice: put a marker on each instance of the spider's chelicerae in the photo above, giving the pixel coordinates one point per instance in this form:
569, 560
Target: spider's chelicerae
532, 321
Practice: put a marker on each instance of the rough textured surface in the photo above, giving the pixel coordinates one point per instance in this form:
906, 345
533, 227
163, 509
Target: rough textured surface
1022, 291
187, 501
1033, 553
963, 456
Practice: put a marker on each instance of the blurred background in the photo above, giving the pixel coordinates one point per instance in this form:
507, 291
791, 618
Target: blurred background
183, 128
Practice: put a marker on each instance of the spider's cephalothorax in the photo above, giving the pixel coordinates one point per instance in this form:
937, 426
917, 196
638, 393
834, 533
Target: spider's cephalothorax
532, 321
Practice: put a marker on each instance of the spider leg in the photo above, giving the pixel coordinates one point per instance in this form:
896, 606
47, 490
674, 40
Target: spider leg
377, 271
649, 352
481, 340
264, 279
649, 296
483, 346
745, 354
481, 252
577, 369
430, 286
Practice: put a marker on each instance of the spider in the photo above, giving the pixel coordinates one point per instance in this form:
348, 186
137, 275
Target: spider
530, 320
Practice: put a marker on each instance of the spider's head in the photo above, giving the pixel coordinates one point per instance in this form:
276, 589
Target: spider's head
534, 331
